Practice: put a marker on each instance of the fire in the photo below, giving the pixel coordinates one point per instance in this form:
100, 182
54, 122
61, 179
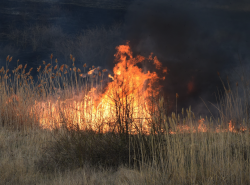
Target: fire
202, 127
125, 104
190, 86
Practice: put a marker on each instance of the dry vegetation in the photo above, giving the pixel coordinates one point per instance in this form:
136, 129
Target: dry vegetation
68, 155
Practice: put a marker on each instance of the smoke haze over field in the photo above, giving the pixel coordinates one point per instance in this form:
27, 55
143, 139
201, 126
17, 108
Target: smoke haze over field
192, 38
194, 43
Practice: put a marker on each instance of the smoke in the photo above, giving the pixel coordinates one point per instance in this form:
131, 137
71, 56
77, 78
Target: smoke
194, 41
30, 30
192, 38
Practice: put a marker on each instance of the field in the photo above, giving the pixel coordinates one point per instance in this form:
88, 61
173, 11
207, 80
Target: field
64, 121
45, 140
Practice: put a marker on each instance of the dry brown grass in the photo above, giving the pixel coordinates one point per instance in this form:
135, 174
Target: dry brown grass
78, 157
209, 160
21, 149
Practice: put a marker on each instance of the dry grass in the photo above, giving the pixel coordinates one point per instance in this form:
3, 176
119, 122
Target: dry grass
32, 155
210, 159
21, 149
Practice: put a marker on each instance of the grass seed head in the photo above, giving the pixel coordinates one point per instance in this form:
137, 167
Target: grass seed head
61, 68
38, 69
2, 69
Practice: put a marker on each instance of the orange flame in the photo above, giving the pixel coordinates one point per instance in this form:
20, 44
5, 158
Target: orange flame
91, 71
202, 127
126, 99
125, 104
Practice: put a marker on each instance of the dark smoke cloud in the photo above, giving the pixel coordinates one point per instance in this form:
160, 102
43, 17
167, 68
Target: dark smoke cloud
194, 42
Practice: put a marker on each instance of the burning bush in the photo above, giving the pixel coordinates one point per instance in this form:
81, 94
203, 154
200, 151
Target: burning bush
123, 122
